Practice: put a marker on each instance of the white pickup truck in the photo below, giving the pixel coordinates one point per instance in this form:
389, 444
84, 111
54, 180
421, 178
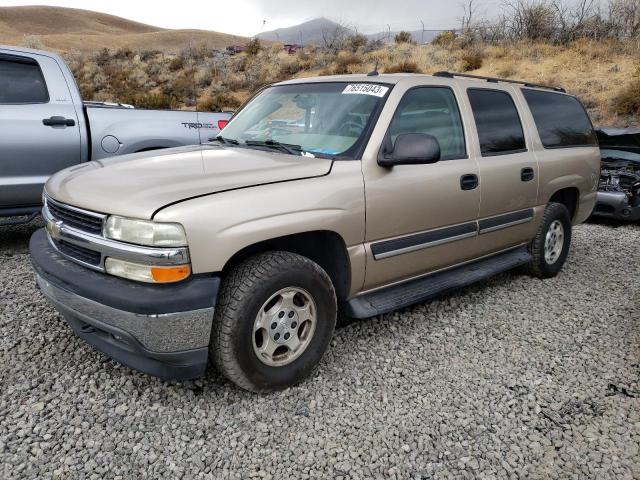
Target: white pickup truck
45, 127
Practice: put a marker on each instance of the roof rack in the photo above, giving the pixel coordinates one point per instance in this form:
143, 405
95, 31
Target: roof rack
496, 80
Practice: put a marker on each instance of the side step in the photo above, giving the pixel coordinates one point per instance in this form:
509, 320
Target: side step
425, 288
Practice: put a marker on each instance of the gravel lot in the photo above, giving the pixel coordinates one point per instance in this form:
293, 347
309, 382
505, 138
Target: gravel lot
513, 377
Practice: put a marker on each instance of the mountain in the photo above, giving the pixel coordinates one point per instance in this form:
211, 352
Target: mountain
313, 31
64, 29
316, 30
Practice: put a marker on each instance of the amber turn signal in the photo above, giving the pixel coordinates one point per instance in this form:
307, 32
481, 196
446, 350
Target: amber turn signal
170, 274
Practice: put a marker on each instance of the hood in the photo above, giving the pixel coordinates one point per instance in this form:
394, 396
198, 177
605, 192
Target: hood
137, 185
626, 139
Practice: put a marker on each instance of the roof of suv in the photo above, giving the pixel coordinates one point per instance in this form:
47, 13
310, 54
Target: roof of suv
360, 77
443, 78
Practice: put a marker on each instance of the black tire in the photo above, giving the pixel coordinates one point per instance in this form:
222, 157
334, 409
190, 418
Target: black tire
243, 293
539, 267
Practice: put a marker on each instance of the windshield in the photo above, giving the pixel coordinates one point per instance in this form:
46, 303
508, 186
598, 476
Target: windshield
319, 119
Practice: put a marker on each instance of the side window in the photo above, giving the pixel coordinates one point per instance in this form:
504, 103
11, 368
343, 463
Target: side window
21, 81
431, 110
560, 119
497, 120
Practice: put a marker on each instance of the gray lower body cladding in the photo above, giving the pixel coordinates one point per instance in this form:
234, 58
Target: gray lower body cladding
137, 325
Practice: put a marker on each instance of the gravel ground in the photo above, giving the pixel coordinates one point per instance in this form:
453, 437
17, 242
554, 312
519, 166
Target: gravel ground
513, 377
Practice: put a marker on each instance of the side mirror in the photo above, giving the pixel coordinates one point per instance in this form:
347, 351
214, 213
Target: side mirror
411, 149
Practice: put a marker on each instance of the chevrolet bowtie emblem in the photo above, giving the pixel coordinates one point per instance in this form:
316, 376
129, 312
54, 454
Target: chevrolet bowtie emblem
54, 228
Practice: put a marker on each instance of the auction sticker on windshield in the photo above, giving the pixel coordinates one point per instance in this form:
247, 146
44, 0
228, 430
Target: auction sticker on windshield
366, 89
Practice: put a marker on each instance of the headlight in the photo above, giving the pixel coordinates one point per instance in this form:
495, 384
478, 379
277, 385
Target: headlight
145, 232
146, 273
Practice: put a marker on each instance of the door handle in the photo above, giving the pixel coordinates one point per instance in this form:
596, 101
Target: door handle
58, 122
526, 174
468, 181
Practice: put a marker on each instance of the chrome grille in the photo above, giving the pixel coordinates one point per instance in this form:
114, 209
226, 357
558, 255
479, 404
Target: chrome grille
82, 254
84, 221
77, 235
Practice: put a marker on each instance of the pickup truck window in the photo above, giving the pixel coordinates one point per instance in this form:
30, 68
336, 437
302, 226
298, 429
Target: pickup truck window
327, 119
497, 121
21, 81
561, 119
431, 110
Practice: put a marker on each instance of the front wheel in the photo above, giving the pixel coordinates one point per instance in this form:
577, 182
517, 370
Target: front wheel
274, 320
550, 246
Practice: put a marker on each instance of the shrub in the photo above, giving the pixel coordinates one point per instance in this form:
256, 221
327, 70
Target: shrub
176, 64
32, 41
103, 57
444, 39
182, 88
151, 101
471, 60
253, 47
506, 71
290, 68
403, 37
123, 54
627, 102
354, 42
218, 102
147, 55
345, 63
404, 66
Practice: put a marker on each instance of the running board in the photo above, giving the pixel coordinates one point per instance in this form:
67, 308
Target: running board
414, 291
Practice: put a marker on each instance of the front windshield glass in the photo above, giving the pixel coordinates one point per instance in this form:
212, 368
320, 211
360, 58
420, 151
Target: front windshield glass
320, 119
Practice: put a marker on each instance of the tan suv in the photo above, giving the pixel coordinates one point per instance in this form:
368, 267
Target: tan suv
360, 193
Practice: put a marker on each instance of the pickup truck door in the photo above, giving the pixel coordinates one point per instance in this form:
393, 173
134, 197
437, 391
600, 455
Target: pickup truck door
421, 218
508, 168
39, 127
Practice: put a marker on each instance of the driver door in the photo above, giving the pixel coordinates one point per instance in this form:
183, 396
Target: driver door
421, 218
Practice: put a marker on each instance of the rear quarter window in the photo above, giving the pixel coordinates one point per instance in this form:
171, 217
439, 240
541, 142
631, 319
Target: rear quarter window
21, 81
561, 119
497, 121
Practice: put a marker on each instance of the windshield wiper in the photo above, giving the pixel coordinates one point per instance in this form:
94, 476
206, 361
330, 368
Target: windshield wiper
283, 147
225, 141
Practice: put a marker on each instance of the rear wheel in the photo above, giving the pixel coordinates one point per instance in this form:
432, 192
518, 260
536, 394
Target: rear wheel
274, 320
550, 246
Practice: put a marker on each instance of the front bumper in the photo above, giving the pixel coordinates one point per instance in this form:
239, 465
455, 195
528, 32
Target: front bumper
615, 205
162, 330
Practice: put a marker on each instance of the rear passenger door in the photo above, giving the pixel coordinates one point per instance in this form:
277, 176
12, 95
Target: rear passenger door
508, 171
39, 127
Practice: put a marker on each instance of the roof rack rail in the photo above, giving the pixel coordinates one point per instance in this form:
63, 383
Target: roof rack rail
496, 80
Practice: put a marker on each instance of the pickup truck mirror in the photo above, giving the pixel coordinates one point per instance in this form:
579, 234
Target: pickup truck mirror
411, 149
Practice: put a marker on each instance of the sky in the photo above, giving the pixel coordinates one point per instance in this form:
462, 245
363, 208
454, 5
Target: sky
246, 17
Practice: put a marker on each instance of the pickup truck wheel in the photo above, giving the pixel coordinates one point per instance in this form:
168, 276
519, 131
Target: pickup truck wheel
550, 246
274, 320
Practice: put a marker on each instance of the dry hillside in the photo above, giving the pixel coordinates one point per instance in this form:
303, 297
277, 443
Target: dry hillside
605, 75
66, 29
597, 59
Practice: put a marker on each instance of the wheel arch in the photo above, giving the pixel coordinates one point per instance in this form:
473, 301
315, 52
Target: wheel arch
569, 198
325, 247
